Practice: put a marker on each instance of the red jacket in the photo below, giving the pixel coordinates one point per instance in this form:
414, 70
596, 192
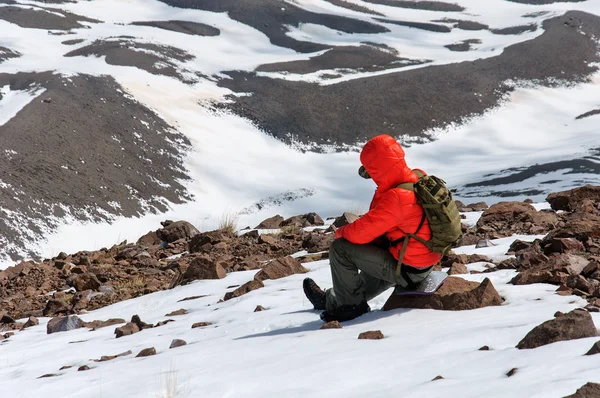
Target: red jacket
393, 211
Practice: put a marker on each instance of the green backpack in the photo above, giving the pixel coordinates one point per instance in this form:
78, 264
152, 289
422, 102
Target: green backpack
441, 212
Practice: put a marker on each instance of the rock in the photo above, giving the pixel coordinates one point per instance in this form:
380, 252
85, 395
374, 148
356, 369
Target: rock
191, 298
455, 294
105, 358
563, 245
314, 219
589, 390
477, 258
201, 268
519, 245
457, 268
32, 321
345, 219
437, 378
371, 335
163, 323
48, 375
576, 324
314, 243
331, 325
140, 324
573, 199
62, 256
95, 325
259, 308
206, 240
64, 324
296, 221
177, 230
150, 239
484, 348
267, 239
581, 229
65, 367
280, 268
271, 223
178, 312
530, 277
504, 211
83, 368
146, 352
85, 282
244, 289
126, 330
484, 243
512, 372
177, 343
479, 206
55, 307
7, 319
595, 349
201, 324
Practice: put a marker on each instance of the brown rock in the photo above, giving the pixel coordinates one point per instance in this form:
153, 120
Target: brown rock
576, 324
146, 352
126, 330
296, 221
201, 268
280, 268
55, 307
512, 372
64, 324
484, 348
437, 378
595, 349
244, 289
150, 239
205, 241
6, 319
589, 390
371, 335
94, 325
178, 312
504, 211
201, 324
476, 258
479, 206
530, 277
455, 294
563, 245
314, 219
268, 239
457, 268
32, 321
105, 358
270, 223
163, 323
174, 231
177, 343
85, 282
331, 325
191, 298
345, 219
48, 375
573, 199
315, 242
140, 324
259, 308
65, 367
83, 368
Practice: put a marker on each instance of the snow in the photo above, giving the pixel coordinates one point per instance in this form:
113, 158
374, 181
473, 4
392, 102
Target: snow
233, 164
12, 101
282, 351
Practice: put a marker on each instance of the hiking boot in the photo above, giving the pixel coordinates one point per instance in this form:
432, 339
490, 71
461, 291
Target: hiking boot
314, 293
345, 312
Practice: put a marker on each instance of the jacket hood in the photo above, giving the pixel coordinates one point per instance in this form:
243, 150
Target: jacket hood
383, 159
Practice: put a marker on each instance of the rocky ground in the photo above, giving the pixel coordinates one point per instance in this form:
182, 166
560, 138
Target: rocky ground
178, 253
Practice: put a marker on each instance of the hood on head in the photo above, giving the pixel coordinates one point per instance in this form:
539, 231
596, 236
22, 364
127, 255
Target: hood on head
382, 160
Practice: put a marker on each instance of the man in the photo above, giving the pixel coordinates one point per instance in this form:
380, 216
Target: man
372, 243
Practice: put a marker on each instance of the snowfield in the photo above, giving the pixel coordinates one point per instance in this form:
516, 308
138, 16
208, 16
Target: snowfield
282, 351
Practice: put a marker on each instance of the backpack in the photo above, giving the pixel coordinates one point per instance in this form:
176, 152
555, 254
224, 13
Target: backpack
441, 212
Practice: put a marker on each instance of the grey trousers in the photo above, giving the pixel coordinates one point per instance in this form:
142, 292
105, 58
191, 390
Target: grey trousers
377, 273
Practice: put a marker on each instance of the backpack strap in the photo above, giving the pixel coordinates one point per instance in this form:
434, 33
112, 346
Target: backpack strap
406, 239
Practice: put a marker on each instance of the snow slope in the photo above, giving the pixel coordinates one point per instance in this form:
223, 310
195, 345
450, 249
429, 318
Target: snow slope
282, 351
234, 164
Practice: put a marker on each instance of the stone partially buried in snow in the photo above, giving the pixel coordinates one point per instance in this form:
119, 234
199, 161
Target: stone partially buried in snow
589, 390
455, 294
371, 335
244, 289
64, 324
576, 324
